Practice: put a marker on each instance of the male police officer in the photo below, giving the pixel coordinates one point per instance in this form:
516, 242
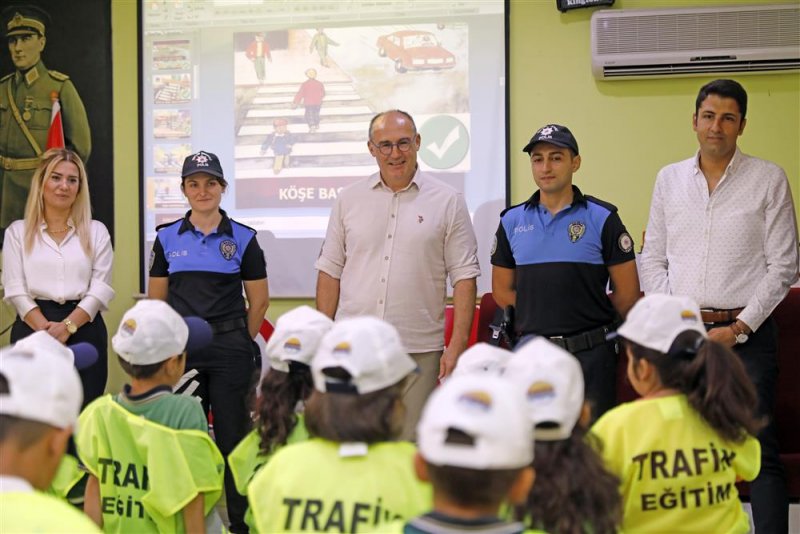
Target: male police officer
26, 101
552, 259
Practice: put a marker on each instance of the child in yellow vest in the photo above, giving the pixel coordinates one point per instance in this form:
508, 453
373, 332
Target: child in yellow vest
680, 449
40, 397
574, 493
475, 448
153, 466
351, 476
283, 393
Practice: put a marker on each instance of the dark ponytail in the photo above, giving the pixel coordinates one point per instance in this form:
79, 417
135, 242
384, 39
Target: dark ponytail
280, 393
713, 379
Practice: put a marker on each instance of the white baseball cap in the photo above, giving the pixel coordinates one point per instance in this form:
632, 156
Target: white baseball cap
552, 382
369, 349
152, 332
482, 358
296, 337
42, 381
656, 320
476, 421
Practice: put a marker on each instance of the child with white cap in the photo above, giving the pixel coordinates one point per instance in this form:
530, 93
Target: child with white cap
284, 391
681, 448
573, 493
475, 448
482, 358
40, 398
351, 476
153, 466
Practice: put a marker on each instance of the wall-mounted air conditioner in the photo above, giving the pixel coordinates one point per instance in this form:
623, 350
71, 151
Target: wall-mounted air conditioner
643, 43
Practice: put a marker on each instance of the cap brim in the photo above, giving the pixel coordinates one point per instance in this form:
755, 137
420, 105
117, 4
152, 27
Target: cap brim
200, 334
85, 354
530, 145
205, 171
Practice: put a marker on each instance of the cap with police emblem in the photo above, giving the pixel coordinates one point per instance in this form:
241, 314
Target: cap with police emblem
204, 162
24, 20
555, 134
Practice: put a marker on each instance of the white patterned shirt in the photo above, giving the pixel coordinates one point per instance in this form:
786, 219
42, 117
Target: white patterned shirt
57, 271
734, 248
393, 252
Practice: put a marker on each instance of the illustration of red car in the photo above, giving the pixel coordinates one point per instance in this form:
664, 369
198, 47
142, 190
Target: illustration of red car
414, 50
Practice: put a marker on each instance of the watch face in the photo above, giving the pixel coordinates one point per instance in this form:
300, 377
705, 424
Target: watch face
741, 338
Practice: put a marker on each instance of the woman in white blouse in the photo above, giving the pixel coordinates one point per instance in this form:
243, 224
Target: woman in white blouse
57, 264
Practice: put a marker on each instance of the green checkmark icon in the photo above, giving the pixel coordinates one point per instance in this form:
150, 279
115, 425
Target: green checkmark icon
445, 142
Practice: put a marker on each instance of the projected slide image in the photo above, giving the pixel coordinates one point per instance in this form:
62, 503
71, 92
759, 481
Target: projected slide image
171, 55
172, 88
172, 123
304, 99
165, 192
169, 158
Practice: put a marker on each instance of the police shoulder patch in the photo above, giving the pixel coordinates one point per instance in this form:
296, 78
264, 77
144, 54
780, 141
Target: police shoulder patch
152, 259
60, 76
625, 242
494, 246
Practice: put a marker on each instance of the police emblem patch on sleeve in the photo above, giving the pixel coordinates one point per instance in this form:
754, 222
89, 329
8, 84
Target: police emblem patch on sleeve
227, 248
152, 260
576, 231
494, 246
625, 242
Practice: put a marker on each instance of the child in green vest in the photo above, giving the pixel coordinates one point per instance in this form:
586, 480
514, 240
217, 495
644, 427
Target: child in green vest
40, 397
573, 492
283, 392
475, 448
352, 475
152, 465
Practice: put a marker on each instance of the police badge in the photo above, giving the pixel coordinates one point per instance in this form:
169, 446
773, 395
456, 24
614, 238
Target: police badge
576, 231
227, 248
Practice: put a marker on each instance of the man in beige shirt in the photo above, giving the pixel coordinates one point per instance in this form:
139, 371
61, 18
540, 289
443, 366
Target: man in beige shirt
392, 241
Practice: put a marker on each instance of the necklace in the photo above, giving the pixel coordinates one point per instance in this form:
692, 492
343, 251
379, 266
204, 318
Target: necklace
58, 231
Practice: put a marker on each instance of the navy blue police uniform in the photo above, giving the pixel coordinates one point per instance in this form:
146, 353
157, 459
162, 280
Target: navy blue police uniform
205, 275
561, 274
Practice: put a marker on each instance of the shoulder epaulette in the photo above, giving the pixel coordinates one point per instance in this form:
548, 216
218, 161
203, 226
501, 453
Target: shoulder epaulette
164, 225
607, 205
245, 226
7, 76
512, 207
60, 76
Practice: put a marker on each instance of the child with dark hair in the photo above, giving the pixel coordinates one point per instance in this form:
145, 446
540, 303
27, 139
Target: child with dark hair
153, 466
574, 494
284, 390
475, 448
40, 398
351, 476
681, 448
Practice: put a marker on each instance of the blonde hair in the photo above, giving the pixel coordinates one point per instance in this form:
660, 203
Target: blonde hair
81, 211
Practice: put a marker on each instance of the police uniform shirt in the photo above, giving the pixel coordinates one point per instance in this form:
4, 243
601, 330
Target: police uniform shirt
206, 271
561, 263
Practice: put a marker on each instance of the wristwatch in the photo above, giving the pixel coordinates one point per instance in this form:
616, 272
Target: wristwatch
739, 333
71, 328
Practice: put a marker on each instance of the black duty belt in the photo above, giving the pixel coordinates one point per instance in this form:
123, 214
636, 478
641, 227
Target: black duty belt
220, 327
584, 340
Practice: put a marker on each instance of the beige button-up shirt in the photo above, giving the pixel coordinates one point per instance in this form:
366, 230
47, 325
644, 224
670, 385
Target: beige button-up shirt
393, 251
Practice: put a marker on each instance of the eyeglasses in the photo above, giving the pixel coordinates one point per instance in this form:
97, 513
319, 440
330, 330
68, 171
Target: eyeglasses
385, 148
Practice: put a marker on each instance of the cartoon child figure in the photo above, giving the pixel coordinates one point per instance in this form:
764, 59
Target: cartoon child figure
281, 141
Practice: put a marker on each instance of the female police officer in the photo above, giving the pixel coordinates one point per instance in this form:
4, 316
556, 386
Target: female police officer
199, 264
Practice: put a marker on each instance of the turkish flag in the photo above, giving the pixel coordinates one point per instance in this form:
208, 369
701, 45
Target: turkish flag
55, 135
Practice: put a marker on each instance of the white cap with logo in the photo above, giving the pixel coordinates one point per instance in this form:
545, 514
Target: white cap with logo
369, 349
476, 421
42, 381
552, 382
656, 320
296, 337
152, 332
482, 358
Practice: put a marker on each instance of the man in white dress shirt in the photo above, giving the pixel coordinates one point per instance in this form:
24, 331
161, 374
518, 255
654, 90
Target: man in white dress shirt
722, 230
393, 239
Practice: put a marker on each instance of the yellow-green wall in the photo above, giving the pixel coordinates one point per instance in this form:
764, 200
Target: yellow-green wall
627, 130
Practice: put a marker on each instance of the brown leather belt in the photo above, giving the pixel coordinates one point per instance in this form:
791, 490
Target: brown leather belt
720, 316
18, 164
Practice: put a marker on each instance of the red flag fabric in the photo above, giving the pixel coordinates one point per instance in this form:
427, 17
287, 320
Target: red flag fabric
55, 135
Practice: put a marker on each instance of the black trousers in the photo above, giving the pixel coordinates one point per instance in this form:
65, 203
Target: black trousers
226, 371
94, 377
768, 494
